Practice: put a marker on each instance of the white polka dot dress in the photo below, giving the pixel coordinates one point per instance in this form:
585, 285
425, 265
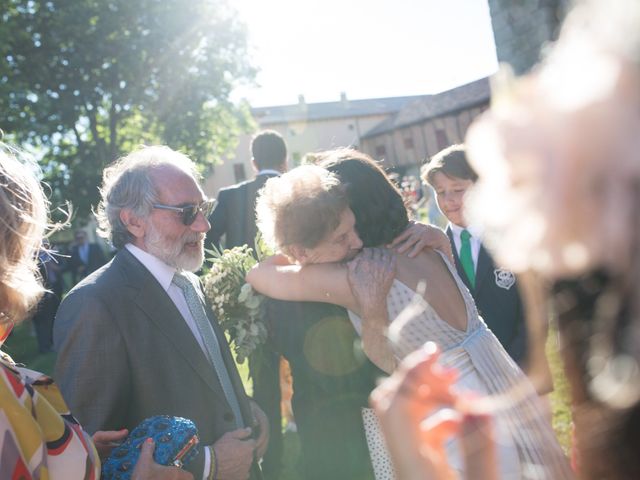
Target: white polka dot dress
527, 446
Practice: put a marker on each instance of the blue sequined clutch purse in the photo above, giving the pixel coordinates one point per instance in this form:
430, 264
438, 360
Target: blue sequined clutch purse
176, 440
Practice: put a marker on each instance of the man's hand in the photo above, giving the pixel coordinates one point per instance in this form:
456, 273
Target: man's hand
147, 469
419, 236
262, 424
234, 454
105, 441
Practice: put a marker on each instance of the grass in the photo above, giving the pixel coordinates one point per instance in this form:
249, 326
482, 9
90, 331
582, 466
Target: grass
22, 347
559, 398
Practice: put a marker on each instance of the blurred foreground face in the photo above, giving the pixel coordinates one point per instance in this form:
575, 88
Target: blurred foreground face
557, 153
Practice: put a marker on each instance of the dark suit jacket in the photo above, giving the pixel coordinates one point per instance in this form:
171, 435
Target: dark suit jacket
78, 268
235, 214
501, 308
125, 353
332, 380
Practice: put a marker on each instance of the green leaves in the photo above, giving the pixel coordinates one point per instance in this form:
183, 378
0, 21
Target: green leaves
86, 81
237, 305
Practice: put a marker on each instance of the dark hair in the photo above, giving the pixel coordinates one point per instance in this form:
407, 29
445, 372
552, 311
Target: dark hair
375, 201
452, 161
268, 149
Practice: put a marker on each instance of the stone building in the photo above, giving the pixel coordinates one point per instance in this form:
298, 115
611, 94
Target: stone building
425, 126
308, 128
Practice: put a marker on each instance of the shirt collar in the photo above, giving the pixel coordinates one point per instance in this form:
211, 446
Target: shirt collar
162, 272
474, 230
269, 171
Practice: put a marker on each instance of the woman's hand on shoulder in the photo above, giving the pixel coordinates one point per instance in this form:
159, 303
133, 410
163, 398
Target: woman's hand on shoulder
370, 275
418, 236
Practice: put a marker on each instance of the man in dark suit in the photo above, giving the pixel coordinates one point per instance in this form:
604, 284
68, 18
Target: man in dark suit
332, 381
84, 258
494, 289
234, 217
136, 338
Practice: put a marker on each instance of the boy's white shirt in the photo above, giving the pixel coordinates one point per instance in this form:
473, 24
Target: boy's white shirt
475, 241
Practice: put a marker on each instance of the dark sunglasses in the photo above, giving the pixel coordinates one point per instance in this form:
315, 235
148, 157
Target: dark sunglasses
188, 213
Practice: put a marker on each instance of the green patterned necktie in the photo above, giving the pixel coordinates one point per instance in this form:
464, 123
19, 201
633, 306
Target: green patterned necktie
465, 257
210, 342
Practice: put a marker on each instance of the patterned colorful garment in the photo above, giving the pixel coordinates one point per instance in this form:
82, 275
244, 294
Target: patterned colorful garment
39, 438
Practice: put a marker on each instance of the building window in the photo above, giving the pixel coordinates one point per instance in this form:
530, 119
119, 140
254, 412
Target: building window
381, 151
441, 139
408, 143
238, 172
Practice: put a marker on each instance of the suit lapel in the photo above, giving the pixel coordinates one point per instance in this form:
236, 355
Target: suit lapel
484, 269
163, 314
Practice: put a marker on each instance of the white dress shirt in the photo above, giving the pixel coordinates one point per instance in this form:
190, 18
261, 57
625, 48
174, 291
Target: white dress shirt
268, 171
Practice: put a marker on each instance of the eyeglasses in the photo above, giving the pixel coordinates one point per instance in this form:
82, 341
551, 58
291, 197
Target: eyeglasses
189, 213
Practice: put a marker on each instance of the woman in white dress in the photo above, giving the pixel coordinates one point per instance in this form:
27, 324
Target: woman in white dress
308, 215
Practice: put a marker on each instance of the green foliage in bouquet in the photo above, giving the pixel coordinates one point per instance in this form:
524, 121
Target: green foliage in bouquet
237, 305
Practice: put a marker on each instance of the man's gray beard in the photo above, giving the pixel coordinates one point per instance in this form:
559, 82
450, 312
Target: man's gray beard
172, 253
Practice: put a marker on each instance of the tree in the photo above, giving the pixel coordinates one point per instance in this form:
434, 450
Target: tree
86, 80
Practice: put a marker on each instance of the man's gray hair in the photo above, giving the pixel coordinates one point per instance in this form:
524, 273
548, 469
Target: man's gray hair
127, 183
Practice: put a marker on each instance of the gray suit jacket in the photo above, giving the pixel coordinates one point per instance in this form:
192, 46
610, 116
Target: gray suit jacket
125, 353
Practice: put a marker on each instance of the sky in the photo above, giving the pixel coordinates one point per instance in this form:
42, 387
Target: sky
364, 48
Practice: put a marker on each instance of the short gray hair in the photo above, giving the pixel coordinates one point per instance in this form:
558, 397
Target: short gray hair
127, 183
300, 207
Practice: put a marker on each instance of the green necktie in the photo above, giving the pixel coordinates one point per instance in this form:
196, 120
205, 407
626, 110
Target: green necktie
466, 259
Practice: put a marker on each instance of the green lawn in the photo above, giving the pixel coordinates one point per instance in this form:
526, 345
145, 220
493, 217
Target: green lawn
560, 396
22, 346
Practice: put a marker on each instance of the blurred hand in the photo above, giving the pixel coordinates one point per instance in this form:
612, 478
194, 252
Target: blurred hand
404, 403
416, 436
147, 469
262, 424
234, 454
106, 441
419, 236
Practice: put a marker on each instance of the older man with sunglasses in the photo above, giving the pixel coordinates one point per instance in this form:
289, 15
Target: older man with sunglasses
136, 338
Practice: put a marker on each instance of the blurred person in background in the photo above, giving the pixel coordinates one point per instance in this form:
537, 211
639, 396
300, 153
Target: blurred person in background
85, 257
